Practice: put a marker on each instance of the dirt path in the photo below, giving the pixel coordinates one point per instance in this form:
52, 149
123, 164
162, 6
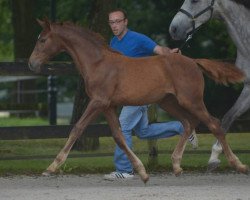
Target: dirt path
93, 187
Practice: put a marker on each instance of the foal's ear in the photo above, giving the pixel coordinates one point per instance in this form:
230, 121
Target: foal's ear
44, 24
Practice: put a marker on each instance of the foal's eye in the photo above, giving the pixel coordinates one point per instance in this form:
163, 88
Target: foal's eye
42, 40
194, 1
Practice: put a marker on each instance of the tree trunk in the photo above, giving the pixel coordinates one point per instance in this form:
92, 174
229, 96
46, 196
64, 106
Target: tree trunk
24, 40
24, 27
97, 22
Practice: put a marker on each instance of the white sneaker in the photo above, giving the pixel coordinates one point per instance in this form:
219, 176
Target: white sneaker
193, 139
118, 176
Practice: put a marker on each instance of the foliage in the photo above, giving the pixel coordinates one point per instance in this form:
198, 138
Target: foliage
6, 31
76, 11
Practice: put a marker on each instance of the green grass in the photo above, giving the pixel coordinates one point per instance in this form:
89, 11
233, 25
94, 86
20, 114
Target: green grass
34, 121
191, 162
14, 121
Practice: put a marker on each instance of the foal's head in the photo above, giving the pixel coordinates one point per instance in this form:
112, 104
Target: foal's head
47, 46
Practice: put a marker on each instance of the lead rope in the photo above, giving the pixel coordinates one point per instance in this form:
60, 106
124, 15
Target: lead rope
189, 37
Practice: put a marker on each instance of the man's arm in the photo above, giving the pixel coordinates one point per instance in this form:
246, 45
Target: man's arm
160, 50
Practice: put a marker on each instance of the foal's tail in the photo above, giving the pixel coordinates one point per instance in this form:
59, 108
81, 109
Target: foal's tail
221, 72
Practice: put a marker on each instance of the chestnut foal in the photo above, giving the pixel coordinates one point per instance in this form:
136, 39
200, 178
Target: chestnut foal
173, 81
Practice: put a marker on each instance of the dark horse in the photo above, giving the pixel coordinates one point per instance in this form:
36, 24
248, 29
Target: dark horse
173, 81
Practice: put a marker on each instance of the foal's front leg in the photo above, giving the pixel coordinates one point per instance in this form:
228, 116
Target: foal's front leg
92, 110
172, 106
177, 155
120, 141
179, 150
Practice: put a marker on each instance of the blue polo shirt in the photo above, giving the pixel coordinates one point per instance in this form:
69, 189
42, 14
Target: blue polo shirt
133, 44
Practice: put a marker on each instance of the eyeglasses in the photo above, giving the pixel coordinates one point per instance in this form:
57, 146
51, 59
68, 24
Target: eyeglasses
117, 21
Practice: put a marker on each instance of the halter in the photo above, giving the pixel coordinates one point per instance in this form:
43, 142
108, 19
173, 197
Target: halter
194, 17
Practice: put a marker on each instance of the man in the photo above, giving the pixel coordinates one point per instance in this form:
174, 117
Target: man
135, 118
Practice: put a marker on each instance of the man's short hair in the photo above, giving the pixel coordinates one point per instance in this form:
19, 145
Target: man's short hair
120, 10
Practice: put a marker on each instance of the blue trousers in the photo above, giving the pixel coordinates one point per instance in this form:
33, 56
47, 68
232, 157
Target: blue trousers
136, 118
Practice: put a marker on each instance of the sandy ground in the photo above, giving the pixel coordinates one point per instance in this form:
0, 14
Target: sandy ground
193, 186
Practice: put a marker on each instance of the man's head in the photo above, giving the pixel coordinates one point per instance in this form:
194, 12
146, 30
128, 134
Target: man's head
118, 22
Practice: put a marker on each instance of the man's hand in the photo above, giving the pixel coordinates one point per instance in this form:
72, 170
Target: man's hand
160, 50
175, 50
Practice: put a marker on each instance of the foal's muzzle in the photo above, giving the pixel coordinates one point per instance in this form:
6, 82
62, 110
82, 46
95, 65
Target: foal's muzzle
34, 66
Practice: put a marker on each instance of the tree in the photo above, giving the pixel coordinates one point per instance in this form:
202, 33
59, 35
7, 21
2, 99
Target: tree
98, 23
24, 38
24, 27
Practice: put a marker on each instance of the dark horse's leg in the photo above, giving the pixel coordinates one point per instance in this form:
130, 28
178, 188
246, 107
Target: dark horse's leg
241, 105
171, 106
92, 110
120, 141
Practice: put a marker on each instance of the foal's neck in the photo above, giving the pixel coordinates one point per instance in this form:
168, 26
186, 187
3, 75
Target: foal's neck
85, 54
236, 17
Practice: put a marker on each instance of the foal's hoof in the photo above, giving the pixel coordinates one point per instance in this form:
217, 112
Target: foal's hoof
178, 172
243, 169
47, 173
213, 165
145, 178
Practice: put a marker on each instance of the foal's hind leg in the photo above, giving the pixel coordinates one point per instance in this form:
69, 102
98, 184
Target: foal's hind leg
200, 111
91, 112
241, 105
119, 139
233, 160
171, 106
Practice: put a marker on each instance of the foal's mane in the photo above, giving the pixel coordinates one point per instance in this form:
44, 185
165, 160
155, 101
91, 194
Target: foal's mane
91, 36
245, 3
